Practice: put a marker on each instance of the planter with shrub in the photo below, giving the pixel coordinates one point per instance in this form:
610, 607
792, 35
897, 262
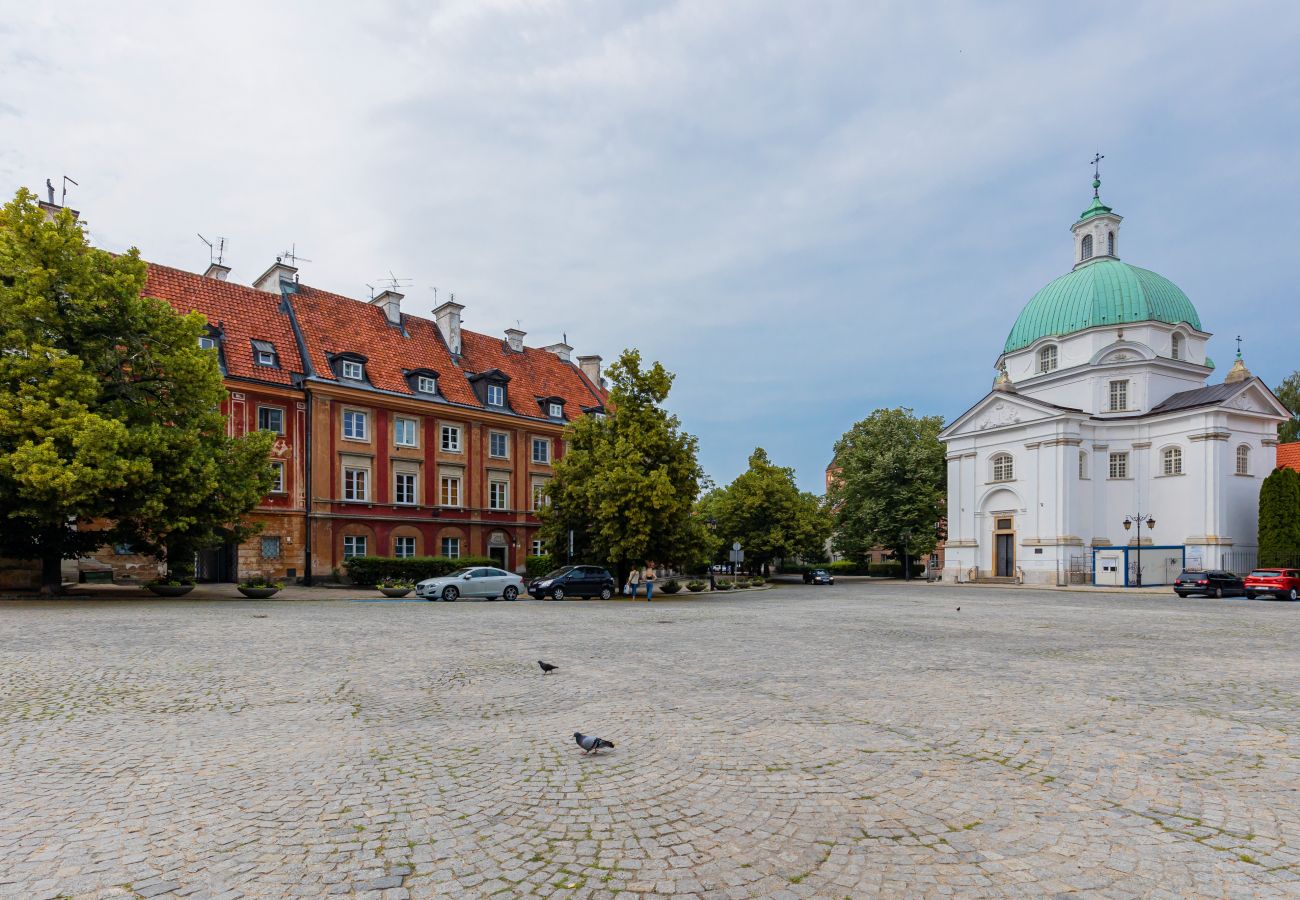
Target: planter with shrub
695, 586
671, 586
170, 587
260, 587
758, 581
724, 585
394, 587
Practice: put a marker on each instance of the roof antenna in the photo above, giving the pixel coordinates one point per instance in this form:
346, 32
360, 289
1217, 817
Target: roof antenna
215, 253
292, 255
395, 283
434, 288
66, 179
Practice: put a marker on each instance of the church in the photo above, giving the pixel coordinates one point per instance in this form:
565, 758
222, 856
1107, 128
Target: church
1102, 454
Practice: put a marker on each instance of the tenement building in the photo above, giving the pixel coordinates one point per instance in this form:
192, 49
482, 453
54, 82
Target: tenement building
396, 435
1101, 452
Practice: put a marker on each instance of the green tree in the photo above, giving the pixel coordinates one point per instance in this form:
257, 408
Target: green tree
891, 485
766, 512
1279, 518
112, 431
1289, 393
627, 482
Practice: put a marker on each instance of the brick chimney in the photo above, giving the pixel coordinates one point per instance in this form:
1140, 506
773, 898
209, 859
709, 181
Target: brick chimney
269, 280
562, 350
515, 339
217, 271
448, 318
590, 366
391, 303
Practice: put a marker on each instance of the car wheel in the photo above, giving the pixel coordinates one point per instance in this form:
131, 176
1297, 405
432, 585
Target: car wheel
1181, 594
510, 593
450, 594
557, 594
1291, 595
606, 593
1250, 595
1218, 593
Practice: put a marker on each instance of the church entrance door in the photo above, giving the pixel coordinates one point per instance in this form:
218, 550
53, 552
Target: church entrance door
1004, 548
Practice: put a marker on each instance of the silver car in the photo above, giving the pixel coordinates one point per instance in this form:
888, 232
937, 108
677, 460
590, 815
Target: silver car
476, 581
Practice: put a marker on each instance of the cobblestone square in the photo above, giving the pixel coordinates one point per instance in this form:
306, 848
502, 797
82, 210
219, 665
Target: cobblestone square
851, 741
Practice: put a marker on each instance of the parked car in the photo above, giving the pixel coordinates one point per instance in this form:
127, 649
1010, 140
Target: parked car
1210, 582
475, 581
818, 576
1284, 584
574, 581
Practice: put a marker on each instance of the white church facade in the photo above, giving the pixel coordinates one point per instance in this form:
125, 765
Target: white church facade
1101, 413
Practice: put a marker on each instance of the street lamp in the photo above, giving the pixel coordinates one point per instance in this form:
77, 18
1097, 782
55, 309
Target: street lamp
1129, 521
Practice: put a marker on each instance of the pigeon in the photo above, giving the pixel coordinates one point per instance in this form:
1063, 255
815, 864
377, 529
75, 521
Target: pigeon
959, 609
259, 616
590, 743
547, 668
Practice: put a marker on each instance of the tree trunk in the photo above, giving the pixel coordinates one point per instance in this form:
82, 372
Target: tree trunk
52, 574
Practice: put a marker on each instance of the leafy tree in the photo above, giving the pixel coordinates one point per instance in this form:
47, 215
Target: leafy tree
1279, 518
891, 485
112, 430
1289, 393
627, 482
766, 512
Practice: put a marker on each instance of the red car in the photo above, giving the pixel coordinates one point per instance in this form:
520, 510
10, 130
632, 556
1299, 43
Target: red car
1281, 583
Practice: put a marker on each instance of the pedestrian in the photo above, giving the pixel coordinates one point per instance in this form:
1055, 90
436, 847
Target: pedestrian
649, 579
633, 579
713, 581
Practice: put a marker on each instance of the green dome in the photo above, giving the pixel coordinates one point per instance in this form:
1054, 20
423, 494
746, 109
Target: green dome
1105, 292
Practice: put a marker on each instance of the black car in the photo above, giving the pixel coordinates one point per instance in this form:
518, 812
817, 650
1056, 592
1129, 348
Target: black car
573, 581
818, 576
1210, 582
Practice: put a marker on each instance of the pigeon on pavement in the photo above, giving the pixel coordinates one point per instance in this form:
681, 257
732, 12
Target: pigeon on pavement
590, 743
547, 668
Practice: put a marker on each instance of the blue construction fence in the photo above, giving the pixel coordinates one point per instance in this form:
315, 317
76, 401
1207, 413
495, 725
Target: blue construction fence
1118, 566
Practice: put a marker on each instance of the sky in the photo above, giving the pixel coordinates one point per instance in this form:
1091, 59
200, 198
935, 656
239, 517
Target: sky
805, 211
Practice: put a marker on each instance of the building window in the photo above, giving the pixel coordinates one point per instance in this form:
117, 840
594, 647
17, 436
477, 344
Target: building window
498, 444
426, 384
355, 425
1003, 467
270, 418
356, 484
496, 395
354, 545
451, 548
1171, 461
1119, 465
207, 342
1086, 253
1176, 347
264, 354
404, 488
498, 495
539, 495
404, 432
403, 547
537, 548
1047, 359
541, 451
352, 369
1110, 243
556, 411
450, 439
270, 548
1083, 463
1119, 396
277, 477
1243, 460
449, 491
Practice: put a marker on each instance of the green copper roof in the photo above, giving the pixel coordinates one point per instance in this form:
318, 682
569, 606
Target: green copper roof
1105, 292
1098, 208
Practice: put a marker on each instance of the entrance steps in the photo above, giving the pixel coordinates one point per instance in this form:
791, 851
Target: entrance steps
994, 579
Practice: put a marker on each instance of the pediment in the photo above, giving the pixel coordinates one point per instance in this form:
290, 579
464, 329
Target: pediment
1257, 398
1000, 410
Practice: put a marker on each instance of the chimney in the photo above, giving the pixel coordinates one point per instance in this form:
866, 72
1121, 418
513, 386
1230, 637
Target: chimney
271, 278
391, 303
562, 350
515, 338
590, 366
217, 271
448, 318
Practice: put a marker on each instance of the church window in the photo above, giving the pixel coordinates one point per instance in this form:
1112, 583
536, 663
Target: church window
1119, 465
1119, 395
1176, 347
1172, 461
1003, 467
1047, 359
1243, 460
1083, 463
1110, 243
1087, 248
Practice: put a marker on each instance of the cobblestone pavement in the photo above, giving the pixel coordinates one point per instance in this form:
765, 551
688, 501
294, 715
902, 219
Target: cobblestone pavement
856, 740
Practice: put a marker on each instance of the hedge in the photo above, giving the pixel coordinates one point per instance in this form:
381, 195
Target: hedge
891, 569
370, 569
537, 566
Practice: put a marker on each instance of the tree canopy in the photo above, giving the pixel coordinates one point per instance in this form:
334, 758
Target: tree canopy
1279, 518
766, 512
889, 487
1289, 393
628, 480
113, 432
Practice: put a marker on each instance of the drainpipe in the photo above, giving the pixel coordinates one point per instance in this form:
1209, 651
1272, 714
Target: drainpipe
306, 575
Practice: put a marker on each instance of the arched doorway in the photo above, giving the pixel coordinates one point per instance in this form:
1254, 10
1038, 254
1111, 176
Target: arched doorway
499, 549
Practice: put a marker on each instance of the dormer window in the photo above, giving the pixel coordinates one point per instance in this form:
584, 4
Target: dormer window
1086, 251
555, 410
496, 395
1047, 359
490, 388
352, 369
207, 342
421, 381
264, 354
426, 384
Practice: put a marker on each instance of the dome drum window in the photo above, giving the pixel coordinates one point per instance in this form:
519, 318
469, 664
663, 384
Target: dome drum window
1002, 467
1047, 359
1085, 249
1176, 347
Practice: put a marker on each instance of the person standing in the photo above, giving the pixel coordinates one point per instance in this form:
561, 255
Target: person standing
633, 580
713, 581
649, 579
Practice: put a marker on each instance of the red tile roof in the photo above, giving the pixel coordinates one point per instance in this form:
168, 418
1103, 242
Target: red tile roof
243, 314
1288, 455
